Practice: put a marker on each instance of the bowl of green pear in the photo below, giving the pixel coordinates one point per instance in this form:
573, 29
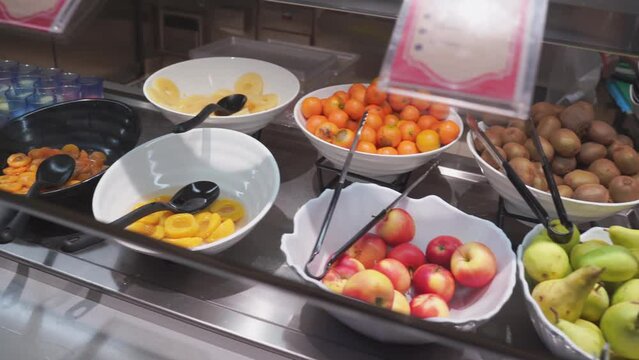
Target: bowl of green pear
585, 293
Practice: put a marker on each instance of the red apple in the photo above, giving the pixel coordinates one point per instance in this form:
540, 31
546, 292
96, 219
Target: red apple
397, 227
372, 287
396, 272
342, 270
368, 249
400, 303
441, 249
428, 305
473, 265
407, 254
434, 279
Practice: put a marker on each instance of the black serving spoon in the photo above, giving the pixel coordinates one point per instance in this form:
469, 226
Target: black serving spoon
54, 171
227, 105
189, 199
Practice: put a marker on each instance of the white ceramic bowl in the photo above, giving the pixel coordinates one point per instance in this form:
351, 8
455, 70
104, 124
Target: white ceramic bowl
554, 339
206, 75
364, 163
433, 217
579, 211
242, 167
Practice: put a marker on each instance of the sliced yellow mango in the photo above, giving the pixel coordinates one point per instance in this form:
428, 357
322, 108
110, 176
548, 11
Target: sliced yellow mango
185, 242
249, 83
226, 228
207, 222
180, 226
158, 233
228, 209
141, 228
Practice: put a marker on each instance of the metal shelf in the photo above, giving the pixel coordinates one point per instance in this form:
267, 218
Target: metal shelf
601, 25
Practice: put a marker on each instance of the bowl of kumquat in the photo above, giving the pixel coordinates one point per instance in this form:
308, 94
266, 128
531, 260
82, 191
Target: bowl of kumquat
400, 133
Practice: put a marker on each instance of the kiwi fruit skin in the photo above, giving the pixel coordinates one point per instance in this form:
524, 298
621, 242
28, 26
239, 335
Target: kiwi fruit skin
613, 147
565, 142
524, 169
518, 123
497, 129
515, 150
539, 181
563, 165
590, 152
592, 192
558, 179
605, 170
565, 191
489, 158
541, 109
626, 159
601, 132
624, 139
578, 177
513, 134
494, 137
624, 188
578, 117
548, 125
545, 145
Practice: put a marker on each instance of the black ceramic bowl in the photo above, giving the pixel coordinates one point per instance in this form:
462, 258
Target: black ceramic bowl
92, 124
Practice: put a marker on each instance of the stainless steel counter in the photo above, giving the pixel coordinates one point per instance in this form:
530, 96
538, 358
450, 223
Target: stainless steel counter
276, 323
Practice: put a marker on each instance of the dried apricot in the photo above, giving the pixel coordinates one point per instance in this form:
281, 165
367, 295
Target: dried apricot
18, 160
14, 170
10, 186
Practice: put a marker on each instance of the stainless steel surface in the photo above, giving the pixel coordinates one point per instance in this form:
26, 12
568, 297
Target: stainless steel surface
44, 317
257, 314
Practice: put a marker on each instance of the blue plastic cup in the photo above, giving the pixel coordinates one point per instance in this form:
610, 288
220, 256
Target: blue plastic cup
13, 108
37, 101
46, 87
91, 87
6, 78
28, 69
69, 78
51, 73
26, 81
68, 93
9, 65
20, 94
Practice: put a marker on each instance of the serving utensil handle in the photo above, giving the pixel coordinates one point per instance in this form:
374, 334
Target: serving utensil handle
333, 204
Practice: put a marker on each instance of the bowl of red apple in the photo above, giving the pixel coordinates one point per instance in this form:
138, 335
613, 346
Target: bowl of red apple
425, 259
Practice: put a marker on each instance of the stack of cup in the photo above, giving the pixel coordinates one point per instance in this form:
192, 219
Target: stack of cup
26, 87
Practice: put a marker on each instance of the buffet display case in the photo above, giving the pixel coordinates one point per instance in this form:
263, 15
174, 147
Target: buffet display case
137, 297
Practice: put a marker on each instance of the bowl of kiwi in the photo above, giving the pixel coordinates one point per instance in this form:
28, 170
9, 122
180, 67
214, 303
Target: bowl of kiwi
596, 168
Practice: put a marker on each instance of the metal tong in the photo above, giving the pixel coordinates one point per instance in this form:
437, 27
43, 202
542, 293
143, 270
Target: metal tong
324, 268
338, 190
555, 234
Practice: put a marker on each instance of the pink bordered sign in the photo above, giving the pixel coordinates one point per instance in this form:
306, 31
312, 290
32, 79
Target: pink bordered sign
475, 54
42, 15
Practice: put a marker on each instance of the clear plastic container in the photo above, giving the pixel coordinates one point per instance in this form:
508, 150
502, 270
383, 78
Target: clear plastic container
309, 64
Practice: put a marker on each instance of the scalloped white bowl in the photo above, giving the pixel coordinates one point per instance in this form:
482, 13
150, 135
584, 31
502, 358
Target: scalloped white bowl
579, 211
433, 217
242, 166
364, 163
555, 340
206, 75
